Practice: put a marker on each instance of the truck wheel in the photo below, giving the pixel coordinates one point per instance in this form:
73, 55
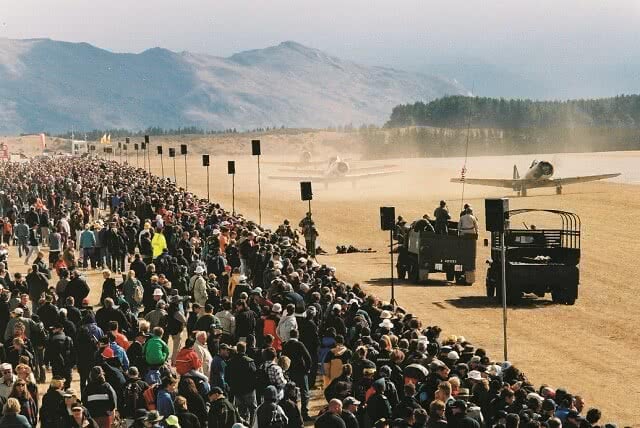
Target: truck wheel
414, 274
402, 272
556, 297
514, 295
450, 276
491, 291
469, 277
571, 294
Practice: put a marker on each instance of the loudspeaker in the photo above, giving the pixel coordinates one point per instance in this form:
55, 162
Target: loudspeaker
136, 147
305, 191
205, 160
146, 139
231, 167
183, 149
127, 140
119, 145
124, 147
255, 147
144, 146
159, 150
387, 218
496, 212
172, 152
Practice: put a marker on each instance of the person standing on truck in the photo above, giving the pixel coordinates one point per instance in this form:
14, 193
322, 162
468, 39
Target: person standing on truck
468, 225
442, 218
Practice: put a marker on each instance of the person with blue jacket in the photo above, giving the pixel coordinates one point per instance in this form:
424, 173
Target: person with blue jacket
164, 399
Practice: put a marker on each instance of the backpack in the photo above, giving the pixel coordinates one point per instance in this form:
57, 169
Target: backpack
277, 419
132, 399
138, 293
152, 376
150, 396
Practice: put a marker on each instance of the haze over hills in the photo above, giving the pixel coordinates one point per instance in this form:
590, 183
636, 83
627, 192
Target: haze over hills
48, 85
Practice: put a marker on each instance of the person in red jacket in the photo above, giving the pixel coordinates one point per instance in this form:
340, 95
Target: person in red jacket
188, 363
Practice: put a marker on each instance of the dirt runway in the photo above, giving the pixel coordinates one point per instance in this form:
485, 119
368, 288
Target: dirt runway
590, 348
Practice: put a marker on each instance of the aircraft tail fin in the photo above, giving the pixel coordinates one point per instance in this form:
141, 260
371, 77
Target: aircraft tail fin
516, 174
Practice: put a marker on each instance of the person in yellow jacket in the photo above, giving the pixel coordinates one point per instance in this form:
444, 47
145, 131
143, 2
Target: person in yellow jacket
158, 243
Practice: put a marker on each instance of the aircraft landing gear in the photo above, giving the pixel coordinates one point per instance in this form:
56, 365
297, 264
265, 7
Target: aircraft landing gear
558, 190
522, 192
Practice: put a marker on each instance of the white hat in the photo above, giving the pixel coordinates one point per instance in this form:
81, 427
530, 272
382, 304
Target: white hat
352, 301
494, 370
336, 306
242, 278
475, 359
199, 270
386, 315
277, 308
453, 355
157, 292
386, 323
6, 366
18, 311
475, 375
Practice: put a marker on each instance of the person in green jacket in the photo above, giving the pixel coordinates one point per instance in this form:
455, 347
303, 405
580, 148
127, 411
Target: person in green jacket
155, 350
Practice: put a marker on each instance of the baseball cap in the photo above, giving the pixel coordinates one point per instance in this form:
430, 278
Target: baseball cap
350, 401
216, 390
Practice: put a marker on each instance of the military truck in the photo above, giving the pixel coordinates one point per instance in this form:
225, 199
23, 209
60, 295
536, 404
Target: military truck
538, 261
424, 252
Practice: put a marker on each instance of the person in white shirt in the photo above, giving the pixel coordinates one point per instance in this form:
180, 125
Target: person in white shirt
203, 352
468, 224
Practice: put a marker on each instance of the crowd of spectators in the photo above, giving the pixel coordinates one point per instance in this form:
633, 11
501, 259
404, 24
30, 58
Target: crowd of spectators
207, 319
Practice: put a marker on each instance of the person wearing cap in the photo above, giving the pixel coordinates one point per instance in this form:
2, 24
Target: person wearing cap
59, 353
222, 414
349, 410
198, 286
153, 419
218, 367
378, 405
458, 415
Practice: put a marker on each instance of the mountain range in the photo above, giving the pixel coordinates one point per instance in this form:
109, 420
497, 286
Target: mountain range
52, 86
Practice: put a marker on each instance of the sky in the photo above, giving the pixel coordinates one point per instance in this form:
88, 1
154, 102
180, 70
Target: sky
401, 33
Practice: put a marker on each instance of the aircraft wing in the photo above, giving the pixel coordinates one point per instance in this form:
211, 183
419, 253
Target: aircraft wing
570, 180
493, 182
371, 168
332, 178
295, 164
532, 184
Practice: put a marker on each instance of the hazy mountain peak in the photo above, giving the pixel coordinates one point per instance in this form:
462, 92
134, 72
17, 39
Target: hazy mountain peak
47, 85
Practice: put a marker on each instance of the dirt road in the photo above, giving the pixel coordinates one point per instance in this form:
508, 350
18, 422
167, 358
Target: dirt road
590, 348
